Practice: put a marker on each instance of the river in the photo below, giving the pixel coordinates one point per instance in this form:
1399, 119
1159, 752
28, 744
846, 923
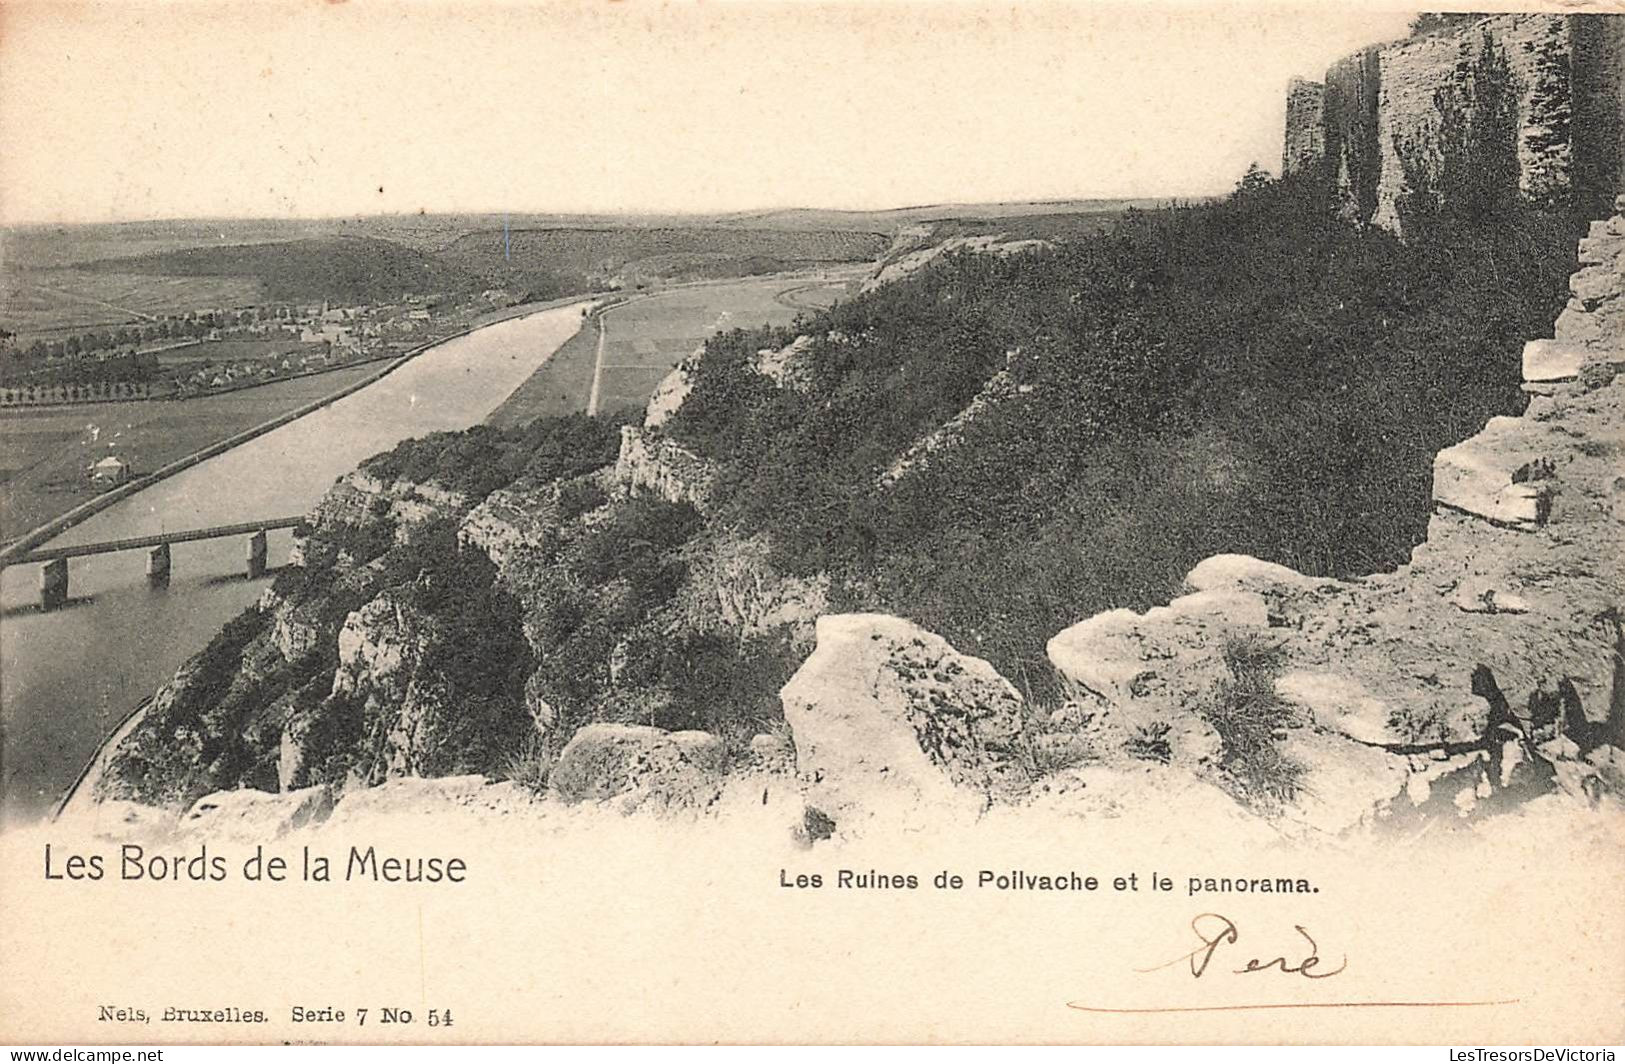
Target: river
68, 677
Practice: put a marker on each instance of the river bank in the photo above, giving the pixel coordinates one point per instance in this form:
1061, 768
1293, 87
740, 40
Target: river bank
72, 675
47, 449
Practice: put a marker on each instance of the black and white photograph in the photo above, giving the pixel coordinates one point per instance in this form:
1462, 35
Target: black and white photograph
811, 522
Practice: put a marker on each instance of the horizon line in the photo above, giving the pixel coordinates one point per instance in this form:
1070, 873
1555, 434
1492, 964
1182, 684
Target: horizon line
631, 212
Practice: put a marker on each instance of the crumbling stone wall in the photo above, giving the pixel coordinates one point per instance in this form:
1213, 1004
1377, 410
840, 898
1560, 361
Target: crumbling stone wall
1305, 145
1518, 104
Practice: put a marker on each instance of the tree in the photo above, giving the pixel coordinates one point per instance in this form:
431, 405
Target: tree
1435, 21
1254, 179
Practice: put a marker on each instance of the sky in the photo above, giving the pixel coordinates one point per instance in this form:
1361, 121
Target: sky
312, 108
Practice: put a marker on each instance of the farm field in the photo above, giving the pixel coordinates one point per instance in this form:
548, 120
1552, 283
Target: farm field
47, 304
44, 453
561, 386
646, 337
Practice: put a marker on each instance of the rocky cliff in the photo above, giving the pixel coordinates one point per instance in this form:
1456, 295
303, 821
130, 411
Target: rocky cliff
1478, 680
1524, 103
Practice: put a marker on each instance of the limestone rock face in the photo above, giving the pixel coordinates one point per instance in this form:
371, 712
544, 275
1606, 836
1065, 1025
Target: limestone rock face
634, 766
999, 387
295, 629
884, 713
670, 394
362, 500
511, 521
381, 666
733, 581
653, 464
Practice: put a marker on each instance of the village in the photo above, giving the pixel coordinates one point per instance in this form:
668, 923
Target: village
215, 349
158, 388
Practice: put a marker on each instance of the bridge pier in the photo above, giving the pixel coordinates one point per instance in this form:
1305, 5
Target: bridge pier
53, 584
256, 555
158, 566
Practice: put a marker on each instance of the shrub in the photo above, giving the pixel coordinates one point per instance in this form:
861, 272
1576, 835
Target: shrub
531, 764
1249, 717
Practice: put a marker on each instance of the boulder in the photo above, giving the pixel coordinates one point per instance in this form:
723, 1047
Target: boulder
1550, 360
1145, 677
885, 714
634, 766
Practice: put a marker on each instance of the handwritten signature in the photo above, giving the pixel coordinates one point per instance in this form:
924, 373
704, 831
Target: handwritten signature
1215, 931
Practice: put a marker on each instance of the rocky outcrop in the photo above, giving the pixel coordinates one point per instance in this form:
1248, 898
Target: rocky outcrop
633, 766
382, 648
788, 366
732, 583
670, 393
653, 464
914, 261
513, 521
1531, 100
359, 501
885, 715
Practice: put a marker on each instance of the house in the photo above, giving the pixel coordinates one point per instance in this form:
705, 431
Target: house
111, 471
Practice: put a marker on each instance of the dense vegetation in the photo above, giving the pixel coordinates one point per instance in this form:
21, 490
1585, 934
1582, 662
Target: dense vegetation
1245, 376
342, 269
1251, 375
480, 460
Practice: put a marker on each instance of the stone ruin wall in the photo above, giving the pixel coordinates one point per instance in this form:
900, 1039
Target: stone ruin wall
1305, 125
1395, 120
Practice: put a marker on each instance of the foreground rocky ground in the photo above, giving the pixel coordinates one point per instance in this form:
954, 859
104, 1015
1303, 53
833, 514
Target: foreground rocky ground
1480, 681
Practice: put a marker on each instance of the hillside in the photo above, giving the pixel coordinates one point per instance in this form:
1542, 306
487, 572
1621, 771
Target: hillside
353, 269
630, 255
991, 448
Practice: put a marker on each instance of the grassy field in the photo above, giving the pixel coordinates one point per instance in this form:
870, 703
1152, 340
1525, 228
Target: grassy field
647, 337
44, 453
561, 386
